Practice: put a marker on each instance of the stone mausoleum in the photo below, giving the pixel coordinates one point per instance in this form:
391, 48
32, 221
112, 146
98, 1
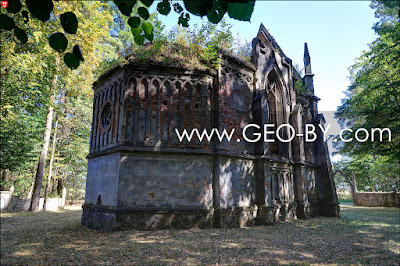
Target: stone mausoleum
141, 176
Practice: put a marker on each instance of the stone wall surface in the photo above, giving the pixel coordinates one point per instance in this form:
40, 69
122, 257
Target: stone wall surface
18, 204
5, 198
102, 180
165, 181
237, 183
378, 199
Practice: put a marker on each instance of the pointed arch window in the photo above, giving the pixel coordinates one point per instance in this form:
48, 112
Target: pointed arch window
276, 113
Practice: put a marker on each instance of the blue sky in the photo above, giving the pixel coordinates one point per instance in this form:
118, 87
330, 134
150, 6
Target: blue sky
336, 32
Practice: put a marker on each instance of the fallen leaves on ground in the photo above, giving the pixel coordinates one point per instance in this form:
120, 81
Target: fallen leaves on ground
362, 236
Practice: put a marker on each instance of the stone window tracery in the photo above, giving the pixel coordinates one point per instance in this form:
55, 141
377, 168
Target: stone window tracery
275, 112
106, 116
282, 185
234, 74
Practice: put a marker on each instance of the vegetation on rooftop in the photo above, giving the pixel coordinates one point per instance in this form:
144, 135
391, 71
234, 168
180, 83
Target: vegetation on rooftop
195, 48
16, 14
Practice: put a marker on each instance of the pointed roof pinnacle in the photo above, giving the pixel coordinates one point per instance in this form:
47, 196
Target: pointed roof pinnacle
307, 61
263, 30
306, 50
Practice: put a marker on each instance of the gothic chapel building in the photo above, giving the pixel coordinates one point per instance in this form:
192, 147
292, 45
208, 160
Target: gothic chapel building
140, 175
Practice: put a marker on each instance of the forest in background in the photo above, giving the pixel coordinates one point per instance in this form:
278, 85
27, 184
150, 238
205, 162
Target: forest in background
34, 79
373, 101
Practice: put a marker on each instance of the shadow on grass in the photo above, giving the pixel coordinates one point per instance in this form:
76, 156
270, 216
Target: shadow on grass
363, 235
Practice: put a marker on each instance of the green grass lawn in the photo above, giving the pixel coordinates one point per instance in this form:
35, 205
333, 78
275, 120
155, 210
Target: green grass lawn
346, 201
362, 236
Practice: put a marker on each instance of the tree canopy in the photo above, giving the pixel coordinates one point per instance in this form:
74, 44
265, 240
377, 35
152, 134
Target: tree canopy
373, 102
373, 173
33, 77
373, 99
18, 14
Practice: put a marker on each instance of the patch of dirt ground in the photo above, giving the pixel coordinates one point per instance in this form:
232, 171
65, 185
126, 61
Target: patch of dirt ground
362, 236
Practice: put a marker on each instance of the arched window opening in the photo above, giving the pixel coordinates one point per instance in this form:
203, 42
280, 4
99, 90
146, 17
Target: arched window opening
276, 113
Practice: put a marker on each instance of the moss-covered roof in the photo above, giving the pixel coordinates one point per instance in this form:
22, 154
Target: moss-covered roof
177, 56
161, 56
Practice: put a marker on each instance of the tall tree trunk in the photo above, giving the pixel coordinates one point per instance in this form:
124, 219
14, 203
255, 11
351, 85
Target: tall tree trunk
31, 188
4, 177
352, 183
43, 154
60, 186
355, 199
42, 161
32, 183
369, 174
53, 180
53, 148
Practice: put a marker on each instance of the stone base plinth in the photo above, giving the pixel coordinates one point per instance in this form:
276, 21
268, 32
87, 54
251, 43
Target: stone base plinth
286, 212
114, 219
266, 215
99, 218
235, 217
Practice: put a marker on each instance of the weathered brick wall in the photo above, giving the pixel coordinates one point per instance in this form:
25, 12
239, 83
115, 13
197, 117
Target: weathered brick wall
107, 114
235, 101
157, 103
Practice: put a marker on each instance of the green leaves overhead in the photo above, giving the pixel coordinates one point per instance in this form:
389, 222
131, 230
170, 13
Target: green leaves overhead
241, 10
147, 2
147, 28
69, 22
164, 7
136, 31
77, 52
134, 22
214, 9
21, 35
198, 7
71, 61
125, 6
58, 42
25, 16
6, 23
14, 6
139, 39
177, 8
217, 12
40, 9
183, 20
149, 37
140, 28
143, 13
148, 33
